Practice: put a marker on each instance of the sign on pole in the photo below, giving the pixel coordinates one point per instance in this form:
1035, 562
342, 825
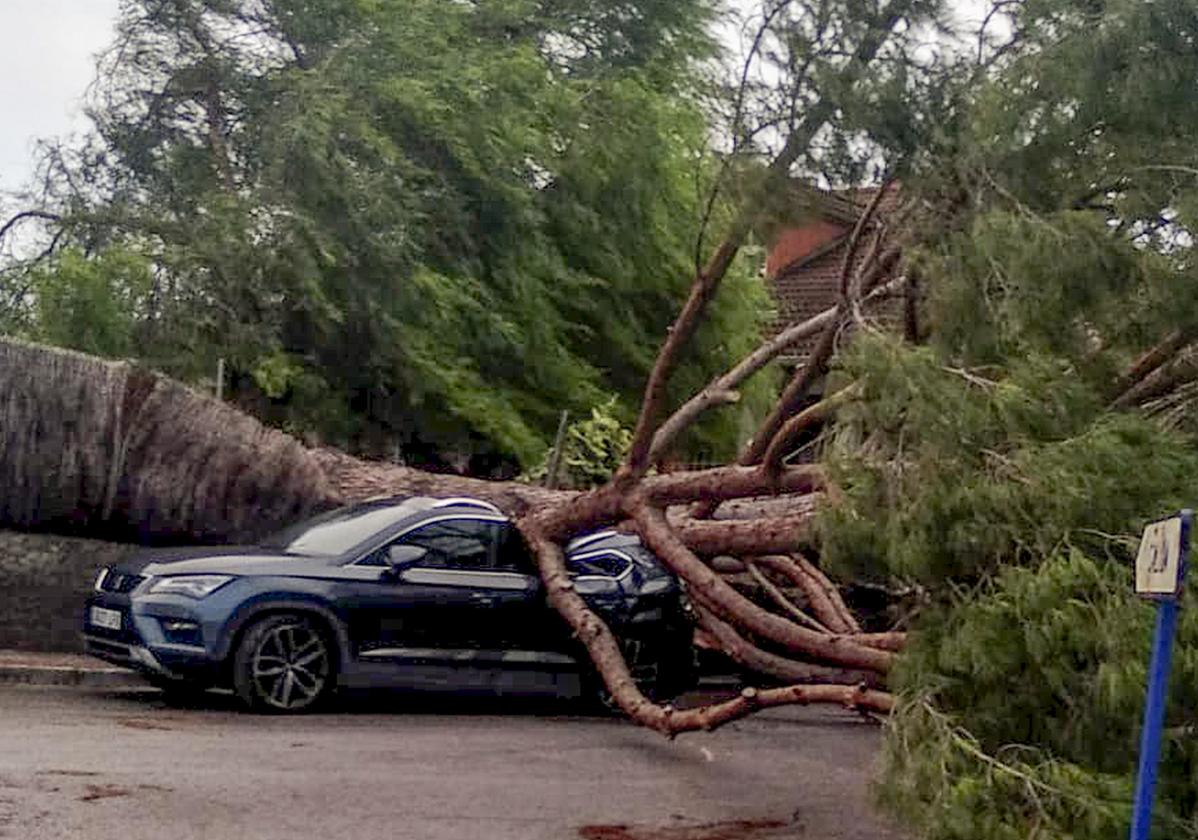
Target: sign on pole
1160, 572
1159, 564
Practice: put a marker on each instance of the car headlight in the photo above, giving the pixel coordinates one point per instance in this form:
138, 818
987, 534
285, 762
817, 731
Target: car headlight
98, 583
193, 586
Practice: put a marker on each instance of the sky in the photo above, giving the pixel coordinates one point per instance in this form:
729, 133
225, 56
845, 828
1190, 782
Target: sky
47, 60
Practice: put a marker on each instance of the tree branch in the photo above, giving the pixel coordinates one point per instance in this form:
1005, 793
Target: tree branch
779, 598
821, 412
1182, 369
706, 282
732, 606
1151, 359
829, 591
775, 535
27, 214
743, 652
718, 391
822, 596
605, 654
805, 376
725, 483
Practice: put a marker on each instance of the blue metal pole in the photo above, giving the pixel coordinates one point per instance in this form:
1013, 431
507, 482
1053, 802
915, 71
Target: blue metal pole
1154, 717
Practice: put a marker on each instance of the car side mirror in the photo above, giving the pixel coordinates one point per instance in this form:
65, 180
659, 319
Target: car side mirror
400, 557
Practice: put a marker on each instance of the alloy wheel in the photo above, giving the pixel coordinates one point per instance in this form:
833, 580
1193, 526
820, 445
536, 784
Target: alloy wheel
290, 666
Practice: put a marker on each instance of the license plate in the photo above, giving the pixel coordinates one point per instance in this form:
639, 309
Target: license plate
108, 619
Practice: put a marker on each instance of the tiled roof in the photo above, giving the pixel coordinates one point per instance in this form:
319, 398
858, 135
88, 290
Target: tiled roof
804, 265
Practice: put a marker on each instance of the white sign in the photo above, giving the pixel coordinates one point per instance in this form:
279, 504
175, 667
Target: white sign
1158, 565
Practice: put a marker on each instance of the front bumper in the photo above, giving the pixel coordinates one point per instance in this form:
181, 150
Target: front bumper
141, 642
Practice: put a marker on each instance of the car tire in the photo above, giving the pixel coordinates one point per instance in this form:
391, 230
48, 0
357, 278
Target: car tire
284, 664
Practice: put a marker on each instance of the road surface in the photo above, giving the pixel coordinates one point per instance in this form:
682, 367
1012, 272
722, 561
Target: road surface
101, 764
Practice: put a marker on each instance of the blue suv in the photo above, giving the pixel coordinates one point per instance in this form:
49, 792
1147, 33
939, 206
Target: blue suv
420, 593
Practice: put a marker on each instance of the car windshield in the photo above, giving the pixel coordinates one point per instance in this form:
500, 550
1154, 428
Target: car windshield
336, 532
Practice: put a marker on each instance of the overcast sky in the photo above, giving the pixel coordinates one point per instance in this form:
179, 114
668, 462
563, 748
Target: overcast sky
47, 60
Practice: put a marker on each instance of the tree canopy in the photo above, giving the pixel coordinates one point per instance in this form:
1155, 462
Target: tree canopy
411, 226
1004, 469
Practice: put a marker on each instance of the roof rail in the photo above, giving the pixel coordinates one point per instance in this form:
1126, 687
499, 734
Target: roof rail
465, 501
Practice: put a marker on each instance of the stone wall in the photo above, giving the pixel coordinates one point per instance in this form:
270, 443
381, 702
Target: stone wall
45, 579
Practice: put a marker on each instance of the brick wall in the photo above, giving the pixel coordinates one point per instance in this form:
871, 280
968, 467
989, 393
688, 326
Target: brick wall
804, 266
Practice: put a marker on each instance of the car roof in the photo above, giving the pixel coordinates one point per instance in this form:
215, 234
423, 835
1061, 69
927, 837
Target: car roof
411, 507
417, 504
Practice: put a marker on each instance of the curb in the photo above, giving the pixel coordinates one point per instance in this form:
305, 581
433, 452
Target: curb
65, 675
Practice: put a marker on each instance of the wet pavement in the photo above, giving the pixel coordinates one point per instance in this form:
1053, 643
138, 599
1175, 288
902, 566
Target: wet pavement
102, 763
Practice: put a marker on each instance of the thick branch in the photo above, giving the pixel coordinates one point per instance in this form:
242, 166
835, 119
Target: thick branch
593, 632
819, 597
809, 417
703, 289
732, 606
828, 590
754, 658
775, 535
856, 697
609, 661
826, 602
893, 641
779, 598
1151, 360
725, 483
1182, 369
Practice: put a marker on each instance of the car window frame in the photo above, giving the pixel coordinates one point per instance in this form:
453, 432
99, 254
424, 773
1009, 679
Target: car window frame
403, 531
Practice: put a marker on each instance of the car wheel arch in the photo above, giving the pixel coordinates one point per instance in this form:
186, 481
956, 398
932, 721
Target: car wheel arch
240, 624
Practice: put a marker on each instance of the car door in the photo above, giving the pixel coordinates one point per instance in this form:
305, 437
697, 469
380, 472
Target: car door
458, 601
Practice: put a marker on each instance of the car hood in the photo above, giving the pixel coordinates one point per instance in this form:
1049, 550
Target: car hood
225, 560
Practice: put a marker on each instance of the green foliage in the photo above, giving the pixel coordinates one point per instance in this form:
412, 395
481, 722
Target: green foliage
990, 467
963, 474
94, 305
1058, 285
434, 224
592, 449
1023, 704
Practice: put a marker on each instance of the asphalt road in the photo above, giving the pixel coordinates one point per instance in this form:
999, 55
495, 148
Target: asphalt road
123, 764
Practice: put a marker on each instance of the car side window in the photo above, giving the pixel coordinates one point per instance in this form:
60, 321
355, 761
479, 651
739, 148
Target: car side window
456, 544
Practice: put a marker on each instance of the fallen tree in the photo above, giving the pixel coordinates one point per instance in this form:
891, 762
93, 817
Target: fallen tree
114, 448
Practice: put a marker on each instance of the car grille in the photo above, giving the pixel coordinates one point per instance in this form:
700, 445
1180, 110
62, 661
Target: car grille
119, 583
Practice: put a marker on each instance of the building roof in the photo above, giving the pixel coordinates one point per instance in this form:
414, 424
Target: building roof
805, 260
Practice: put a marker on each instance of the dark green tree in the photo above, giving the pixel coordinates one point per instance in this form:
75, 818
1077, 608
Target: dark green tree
407, 224
1003, 469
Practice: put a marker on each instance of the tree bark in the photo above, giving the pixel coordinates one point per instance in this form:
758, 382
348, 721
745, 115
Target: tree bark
732, 606
754, 658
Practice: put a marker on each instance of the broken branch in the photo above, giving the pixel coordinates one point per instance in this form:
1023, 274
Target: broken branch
731, 605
